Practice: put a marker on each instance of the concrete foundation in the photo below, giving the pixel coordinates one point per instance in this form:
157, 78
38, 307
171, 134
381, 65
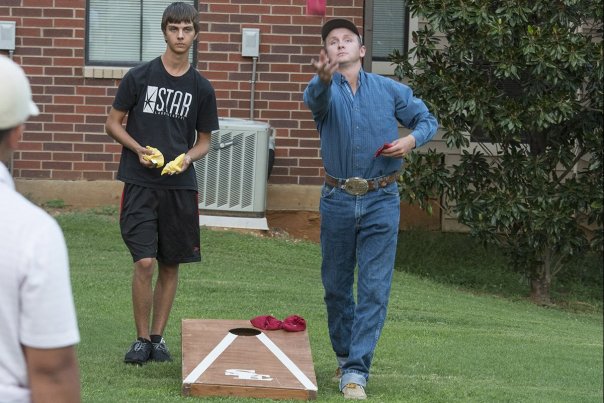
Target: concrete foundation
85, 194
88, 194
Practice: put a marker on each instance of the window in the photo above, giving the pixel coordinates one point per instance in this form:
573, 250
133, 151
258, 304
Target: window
125, 33
387, 27
390, 28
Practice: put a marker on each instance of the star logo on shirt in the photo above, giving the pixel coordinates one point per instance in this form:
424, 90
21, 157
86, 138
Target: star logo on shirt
150, 99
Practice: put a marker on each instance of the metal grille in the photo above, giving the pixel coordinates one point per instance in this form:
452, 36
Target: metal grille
232, 176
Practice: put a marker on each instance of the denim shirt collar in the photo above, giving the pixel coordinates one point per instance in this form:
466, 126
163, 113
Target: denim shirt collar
341, 80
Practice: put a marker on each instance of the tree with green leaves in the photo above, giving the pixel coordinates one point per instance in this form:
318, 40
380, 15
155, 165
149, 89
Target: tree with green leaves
517, 89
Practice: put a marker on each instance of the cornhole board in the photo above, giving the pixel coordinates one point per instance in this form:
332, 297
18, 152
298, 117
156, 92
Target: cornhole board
232, 358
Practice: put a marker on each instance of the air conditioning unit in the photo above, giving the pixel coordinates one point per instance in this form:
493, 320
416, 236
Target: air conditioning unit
232, 177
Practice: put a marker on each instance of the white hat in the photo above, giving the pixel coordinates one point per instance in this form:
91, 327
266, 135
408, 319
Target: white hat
16, 104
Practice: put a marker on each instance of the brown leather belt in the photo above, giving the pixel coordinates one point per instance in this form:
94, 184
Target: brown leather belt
358, 186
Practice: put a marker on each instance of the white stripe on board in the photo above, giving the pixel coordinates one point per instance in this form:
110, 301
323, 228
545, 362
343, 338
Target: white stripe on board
210, 358
293, 368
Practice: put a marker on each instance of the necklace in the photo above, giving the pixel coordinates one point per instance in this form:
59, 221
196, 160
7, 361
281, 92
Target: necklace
176, 70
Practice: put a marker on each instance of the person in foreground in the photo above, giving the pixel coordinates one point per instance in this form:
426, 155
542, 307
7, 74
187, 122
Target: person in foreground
171, 108
357, 116
38, 325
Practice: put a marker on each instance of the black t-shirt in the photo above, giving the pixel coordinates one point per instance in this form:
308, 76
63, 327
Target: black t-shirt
164, 112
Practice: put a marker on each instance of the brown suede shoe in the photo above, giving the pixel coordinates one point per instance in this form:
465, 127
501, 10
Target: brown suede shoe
354, 391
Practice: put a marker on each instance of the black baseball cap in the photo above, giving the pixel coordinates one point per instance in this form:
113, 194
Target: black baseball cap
338, 23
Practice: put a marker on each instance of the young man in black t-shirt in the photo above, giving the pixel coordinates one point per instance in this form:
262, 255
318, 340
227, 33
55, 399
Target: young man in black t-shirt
171, 107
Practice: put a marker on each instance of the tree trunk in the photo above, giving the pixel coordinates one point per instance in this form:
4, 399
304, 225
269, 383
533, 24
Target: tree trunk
540, 290
541, 280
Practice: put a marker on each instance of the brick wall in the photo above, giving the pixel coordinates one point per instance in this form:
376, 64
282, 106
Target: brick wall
67, 141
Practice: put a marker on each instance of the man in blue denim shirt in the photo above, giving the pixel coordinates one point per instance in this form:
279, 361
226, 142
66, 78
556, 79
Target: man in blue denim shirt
358, 115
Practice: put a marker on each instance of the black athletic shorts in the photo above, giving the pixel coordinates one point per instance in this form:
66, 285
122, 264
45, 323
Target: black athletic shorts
160, 223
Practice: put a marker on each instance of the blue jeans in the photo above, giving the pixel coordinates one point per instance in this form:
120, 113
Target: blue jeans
363, 231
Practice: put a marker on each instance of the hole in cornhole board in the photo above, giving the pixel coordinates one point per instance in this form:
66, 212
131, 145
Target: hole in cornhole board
245, 331
229, 358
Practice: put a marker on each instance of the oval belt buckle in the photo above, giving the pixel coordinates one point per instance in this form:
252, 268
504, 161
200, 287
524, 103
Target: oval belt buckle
356, 186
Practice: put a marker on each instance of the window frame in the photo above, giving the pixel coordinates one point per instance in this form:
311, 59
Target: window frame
377, 66
94, 65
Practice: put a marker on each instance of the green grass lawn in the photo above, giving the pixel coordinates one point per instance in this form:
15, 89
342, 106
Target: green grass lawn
446, 339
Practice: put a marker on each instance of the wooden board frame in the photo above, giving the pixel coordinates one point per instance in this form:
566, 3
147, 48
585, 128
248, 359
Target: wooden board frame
232, 358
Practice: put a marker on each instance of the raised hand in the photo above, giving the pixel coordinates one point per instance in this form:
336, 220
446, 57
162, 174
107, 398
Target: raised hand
323, 67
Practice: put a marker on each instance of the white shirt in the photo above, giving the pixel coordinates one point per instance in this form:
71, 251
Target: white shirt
36, 303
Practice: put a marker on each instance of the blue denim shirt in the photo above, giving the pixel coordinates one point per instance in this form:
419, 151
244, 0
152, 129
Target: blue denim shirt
353, 126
